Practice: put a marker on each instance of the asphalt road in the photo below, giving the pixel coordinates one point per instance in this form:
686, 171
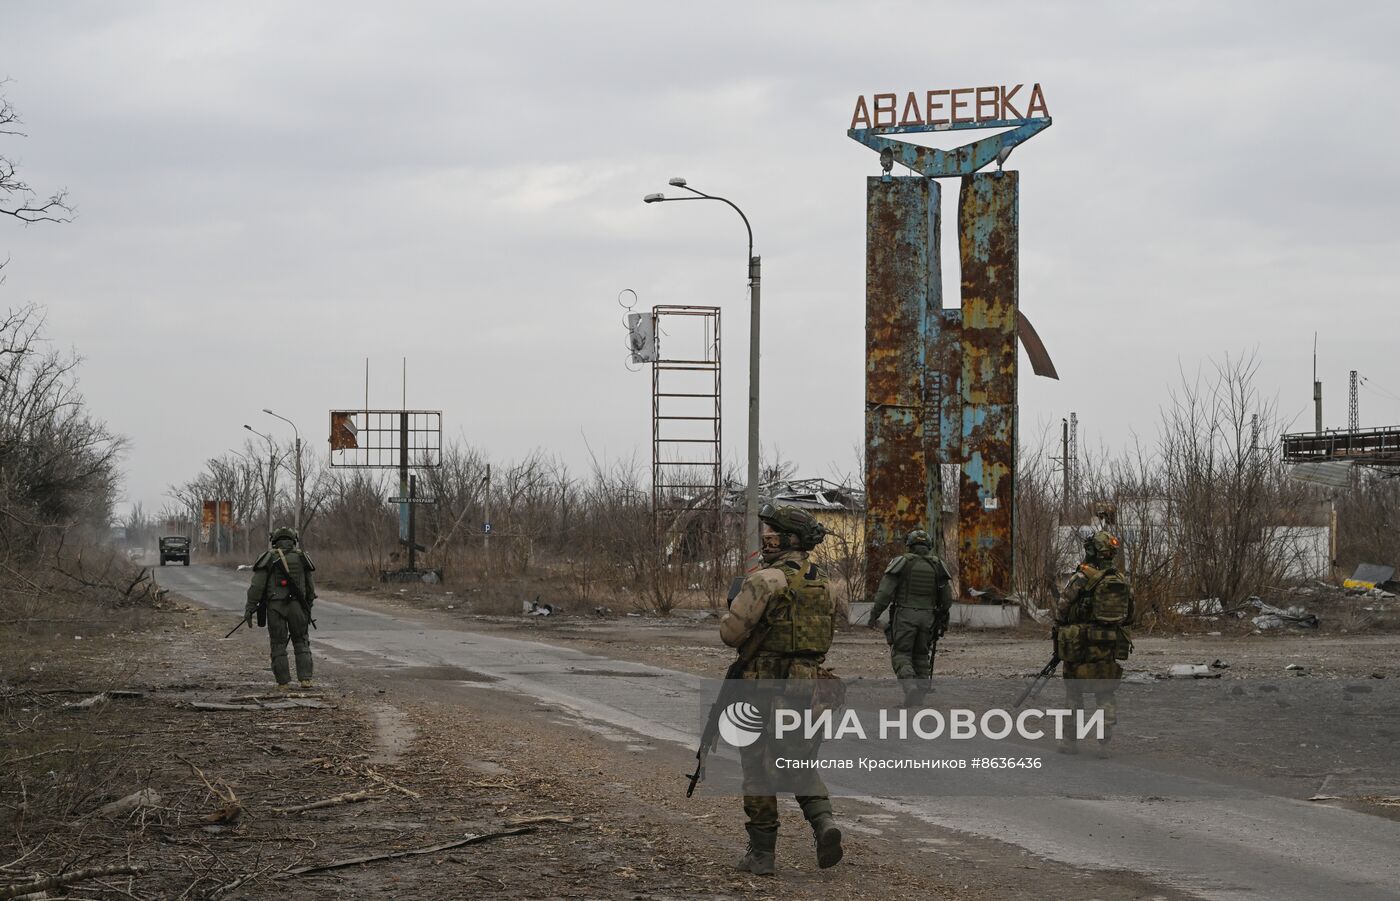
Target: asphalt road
1207, 832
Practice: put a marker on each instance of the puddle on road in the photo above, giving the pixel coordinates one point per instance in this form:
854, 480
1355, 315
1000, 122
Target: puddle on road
393, 733
612, 672
440, 673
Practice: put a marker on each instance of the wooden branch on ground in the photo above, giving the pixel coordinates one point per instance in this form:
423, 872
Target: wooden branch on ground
14, 760
432, 849
43, 885
232, 810
528, 821
346, 798
373, 774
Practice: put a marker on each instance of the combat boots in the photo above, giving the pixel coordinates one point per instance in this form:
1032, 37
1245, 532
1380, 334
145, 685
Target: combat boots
828, 838
759, 858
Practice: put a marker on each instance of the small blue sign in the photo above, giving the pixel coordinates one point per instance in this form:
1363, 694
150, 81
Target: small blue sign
486, 527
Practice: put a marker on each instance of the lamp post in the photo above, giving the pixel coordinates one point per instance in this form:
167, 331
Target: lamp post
751, 540
300, 499
271, 474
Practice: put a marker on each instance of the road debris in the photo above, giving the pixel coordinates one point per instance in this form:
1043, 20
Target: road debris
1192, 671
431, 849
41, 886
117, 809
345, 798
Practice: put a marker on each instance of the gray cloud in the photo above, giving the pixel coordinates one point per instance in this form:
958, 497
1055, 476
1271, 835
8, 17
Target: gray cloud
271, 192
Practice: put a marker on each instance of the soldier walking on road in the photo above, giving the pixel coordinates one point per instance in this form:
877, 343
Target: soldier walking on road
917, 588
787, 607
281, 594
1091, 621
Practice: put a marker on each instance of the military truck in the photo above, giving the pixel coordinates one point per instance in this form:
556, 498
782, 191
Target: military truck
175, 547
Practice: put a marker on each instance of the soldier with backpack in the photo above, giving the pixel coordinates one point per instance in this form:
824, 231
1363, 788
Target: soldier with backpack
782, 622
281, 595
1090, 636
918, 586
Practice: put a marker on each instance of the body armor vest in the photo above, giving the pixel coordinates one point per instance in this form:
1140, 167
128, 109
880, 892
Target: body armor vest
279, 583
918, 590
800, 620
1110, 601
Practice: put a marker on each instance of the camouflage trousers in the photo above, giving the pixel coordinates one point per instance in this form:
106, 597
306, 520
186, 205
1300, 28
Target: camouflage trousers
1099, 679
912, 635
760, 772
287, 620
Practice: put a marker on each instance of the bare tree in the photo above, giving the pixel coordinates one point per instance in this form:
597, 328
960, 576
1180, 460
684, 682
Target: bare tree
17, 198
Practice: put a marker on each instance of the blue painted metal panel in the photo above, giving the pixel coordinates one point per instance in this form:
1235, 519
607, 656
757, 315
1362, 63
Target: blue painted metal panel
988, 227
901, 422
959, 161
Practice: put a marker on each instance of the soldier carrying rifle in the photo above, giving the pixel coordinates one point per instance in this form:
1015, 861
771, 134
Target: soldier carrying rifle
281, 596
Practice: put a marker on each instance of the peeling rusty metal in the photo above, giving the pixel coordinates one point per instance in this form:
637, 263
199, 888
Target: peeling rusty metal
941, 383
987, 232
959, 161
1041, 364
901, 416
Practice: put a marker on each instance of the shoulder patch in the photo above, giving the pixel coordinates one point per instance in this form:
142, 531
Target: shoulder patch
896, 565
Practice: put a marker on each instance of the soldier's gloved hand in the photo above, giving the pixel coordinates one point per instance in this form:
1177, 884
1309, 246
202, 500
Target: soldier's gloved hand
870, 624
248, 618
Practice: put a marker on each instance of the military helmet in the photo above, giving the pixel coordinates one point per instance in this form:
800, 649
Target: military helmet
284, 534
918, 536
807, 532
1101, 545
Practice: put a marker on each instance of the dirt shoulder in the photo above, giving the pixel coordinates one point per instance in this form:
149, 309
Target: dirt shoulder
417, 764
689, 641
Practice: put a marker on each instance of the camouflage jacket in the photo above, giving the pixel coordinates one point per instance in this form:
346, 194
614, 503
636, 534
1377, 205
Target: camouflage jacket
749, 605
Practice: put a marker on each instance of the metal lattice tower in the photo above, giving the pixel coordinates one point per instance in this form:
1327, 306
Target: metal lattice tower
1073, 455
1353, 409
686, 462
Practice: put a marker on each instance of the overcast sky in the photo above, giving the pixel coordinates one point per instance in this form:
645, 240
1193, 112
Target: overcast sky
268, 193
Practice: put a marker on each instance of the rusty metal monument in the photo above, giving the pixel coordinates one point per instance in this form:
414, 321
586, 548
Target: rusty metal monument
940, 382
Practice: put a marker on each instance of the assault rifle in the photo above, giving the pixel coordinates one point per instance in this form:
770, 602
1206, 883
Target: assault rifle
1041, 678
733, 677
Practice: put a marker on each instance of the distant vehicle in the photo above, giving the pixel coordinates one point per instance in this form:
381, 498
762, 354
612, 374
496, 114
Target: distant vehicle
175, 547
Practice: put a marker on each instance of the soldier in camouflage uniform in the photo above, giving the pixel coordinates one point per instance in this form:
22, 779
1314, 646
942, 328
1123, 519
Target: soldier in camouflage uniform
283, 588
918, 586
1091, 621
789, 597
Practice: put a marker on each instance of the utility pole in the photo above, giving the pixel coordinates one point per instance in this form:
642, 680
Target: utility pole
751, 540
486, 524
301, 498
403, 474
1317, 391
412, 532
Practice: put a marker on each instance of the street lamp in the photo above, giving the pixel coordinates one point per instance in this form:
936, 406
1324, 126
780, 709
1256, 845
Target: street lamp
300, 499
271, 473
751, 540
